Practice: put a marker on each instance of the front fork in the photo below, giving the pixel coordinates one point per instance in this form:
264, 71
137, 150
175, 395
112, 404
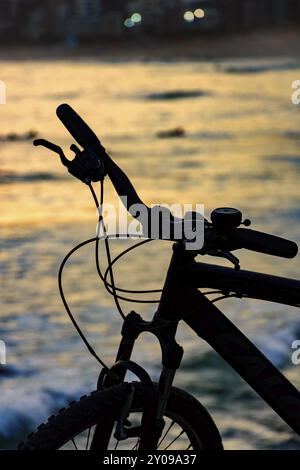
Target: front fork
155, 398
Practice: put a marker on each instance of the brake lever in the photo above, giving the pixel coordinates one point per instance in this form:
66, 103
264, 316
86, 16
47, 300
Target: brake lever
226, 254
75, 149
87, 166
54, 148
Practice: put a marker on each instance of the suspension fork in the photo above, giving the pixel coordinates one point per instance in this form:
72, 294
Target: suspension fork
155, 399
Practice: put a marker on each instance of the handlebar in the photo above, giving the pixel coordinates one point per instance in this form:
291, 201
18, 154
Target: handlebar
81, 132
262, 243
233, 239
85, 137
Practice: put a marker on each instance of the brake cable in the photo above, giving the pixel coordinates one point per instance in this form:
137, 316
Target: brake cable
60, 286
108, 286
111, 288
117, 258
110, 270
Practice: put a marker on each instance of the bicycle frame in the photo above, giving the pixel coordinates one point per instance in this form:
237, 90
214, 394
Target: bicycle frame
181, 300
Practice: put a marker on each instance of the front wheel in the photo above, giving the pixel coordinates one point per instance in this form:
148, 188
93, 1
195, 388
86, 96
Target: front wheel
93, 419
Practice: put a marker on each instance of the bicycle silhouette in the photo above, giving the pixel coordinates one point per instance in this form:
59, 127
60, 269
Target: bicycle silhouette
144, 415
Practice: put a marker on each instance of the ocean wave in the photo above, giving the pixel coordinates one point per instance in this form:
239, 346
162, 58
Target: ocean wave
277, 345
259, 68
293, 135
27, 410
289, 159
10, 371
211, 135
8, 177
175, 95
293, 213
14, 137
63, 96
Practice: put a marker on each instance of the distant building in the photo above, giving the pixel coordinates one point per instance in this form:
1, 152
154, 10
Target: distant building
73, 21
152, 14
231, 15
7, 12
249, 14
113, 15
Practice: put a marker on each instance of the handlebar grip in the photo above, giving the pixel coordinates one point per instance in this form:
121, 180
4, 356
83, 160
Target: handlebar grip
86, 138
81, 132
264, 243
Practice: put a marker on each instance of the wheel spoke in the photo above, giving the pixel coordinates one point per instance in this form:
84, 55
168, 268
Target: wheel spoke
88, 439
136, 444
166, 433
74, 443
175, 439
116, 445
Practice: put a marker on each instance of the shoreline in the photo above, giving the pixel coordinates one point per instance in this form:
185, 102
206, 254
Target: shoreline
256, 44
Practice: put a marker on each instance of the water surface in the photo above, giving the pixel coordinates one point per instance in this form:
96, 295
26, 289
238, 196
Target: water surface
241, 148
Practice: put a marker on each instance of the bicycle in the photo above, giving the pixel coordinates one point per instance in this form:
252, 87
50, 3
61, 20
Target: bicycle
144, 415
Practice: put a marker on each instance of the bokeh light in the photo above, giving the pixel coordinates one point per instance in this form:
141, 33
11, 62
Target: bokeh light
199, 13
136, 17
189, 16
128, 23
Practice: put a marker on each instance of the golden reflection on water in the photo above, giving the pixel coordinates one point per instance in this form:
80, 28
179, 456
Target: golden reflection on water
233, 135
241, 149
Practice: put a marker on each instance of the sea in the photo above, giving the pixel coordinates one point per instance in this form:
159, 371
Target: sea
238, 146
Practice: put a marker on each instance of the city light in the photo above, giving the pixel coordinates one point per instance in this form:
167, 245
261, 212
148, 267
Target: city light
189, 16
136, 17
134, 20
129, 23
199, 13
